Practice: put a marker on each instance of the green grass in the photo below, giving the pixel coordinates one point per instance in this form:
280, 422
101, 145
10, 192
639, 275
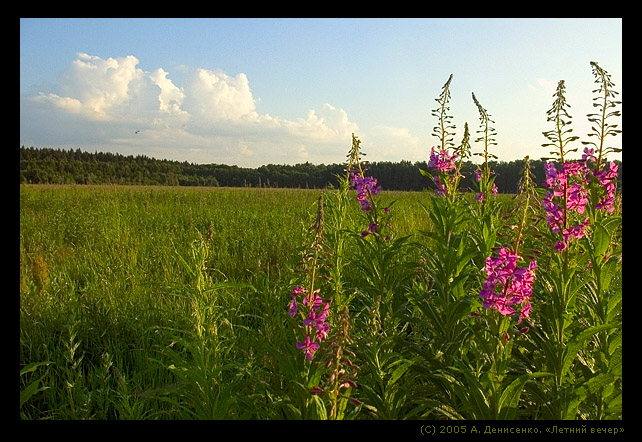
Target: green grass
171, 303
108, 276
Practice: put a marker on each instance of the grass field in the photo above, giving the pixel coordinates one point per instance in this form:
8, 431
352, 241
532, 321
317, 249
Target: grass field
104, 270
172, 303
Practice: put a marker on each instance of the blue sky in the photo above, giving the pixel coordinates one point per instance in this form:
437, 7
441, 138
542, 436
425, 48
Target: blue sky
285, 91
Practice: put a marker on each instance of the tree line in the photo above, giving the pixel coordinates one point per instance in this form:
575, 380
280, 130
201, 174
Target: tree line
60, 166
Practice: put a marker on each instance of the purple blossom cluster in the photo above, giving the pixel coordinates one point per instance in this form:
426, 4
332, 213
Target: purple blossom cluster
366, 186
606, 178
570, 184
316, 319
507, 285
442, 160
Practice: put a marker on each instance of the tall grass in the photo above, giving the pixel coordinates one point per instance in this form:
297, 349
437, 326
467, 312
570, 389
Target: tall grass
107, 271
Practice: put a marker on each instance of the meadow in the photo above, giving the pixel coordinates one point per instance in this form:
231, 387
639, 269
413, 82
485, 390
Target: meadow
347, 303
107, 271
108, 281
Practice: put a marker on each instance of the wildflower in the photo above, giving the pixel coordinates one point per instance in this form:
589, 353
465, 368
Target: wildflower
366, 187
589, 154
574, 197
307, 348
441, 188
606, 178
577, 198
317, 320
316, 390
441, 161
576, 231
316, 300
293, 305
507, 285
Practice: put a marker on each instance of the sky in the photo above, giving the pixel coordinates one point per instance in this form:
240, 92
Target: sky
251, 92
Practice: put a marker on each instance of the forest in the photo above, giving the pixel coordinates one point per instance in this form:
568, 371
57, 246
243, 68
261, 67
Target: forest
60, 166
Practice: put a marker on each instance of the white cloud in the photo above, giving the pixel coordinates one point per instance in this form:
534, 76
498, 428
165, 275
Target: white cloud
112, 105
171, 97
388, 143
212, 96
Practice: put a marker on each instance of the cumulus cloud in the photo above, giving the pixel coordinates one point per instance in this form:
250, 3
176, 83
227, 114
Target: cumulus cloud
111, 104
212, 96
390, 143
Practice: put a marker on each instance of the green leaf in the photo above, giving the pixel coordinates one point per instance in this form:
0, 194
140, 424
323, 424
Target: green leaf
32, 367
570, 353
609, 270
614, 300
615, 363
29, 391
425, 173
615, 404
612, 223
584, 390
322, 413
399, 371
601, 241
509, 400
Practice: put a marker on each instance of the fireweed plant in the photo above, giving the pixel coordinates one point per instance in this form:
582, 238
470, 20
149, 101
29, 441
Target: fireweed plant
467, 353
580, 324
322, 324
382, 269
531, 349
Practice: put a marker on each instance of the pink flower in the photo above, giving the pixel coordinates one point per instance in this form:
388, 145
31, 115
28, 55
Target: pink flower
293, 308
293, 305
571, 185
307, 348
366, 186
507, 285
441, 188
577, 198
441, 161
588, 155
317, 320
607, 177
